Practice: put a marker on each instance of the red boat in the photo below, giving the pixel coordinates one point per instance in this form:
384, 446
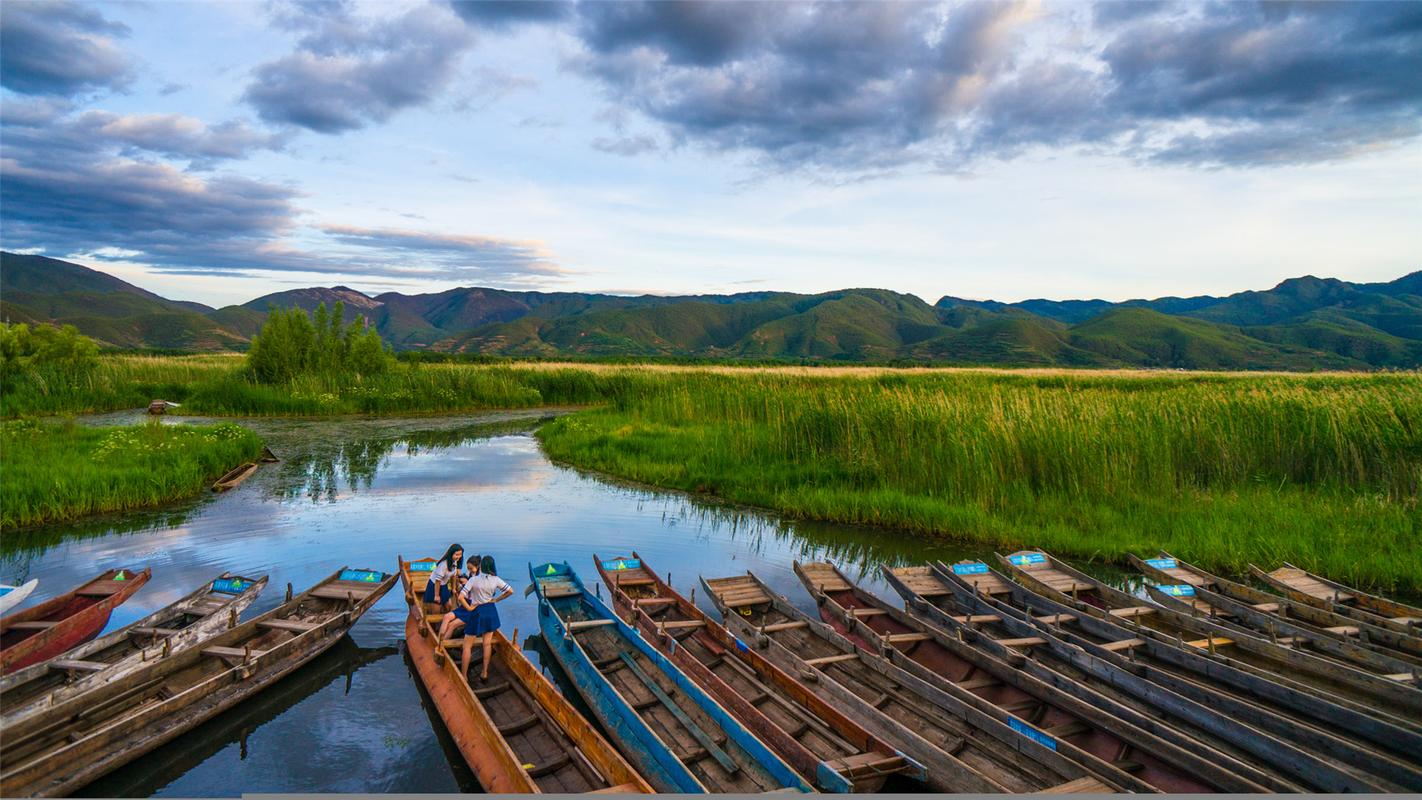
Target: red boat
52, 627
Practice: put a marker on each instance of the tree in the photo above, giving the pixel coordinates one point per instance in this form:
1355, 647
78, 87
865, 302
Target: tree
46, 352
291, 344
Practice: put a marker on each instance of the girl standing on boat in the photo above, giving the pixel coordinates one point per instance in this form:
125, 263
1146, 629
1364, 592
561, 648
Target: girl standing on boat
437, 589
480, 617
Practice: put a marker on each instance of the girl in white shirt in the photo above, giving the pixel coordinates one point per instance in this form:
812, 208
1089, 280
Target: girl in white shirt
437, 589
475, 611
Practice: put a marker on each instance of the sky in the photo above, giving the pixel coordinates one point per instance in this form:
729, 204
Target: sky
221, 151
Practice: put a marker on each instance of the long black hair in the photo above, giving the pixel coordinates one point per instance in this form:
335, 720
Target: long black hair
448, 557
486, 566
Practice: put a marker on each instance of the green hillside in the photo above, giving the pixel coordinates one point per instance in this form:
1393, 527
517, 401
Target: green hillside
1302, 324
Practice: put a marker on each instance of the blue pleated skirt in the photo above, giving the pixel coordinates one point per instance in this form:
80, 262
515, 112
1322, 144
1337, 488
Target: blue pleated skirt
479, 621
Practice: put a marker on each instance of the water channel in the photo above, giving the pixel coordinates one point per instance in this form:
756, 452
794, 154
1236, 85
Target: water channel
358, 492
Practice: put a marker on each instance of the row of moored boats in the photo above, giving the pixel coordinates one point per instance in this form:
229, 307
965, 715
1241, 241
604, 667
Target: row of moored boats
1035, 677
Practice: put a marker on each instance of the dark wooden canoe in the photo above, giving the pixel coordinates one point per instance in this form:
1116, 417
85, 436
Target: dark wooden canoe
1392, 701
961, 746
515, 731
207, 611
44, 631
1306, 587
74, 742
1334, 747
814, 737
235, 476
1191, 591
676, 734
1096, 732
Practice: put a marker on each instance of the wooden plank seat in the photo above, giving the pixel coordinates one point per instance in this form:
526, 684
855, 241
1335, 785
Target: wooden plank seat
1343, 630
583, 624
1056, 619
861, 613
229, 652
654, 601
337, 593
77, 665
751, 600
895, 638
816, 662
561, 591
1086, 785
1267, 608
978, 683
1217, 641
294, 626
1029, 641
485, 692
784, 626
147, 631
681, 624
621, 788
32, 625
1133, 611
1123, 644
974, 619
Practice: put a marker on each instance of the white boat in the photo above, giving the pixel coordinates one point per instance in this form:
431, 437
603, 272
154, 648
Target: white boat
11, 596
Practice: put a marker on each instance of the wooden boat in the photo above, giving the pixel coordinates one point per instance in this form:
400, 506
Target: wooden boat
1315, 590
60, 623
72, 743
268, 457
962, 747
678, 736
1101, 740
821, 742
207, 611
1194, 591
516, 732
1187, 694
1393, 700
11, 596
235, 476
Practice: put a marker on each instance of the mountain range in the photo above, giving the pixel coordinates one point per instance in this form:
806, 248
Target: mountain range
1303, 323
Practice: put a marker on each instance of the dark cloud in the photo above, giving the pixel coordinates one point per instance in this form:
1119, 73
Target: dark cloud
505, 13
348, 72
868, 86
58, 47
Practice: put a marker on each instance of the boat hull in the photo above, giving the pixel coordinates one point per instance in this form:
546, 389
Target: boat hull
74, 628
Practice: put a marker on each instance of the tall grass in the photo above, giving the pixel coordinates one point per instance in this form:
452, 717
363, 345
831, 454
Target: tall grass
61, 471
1222, 470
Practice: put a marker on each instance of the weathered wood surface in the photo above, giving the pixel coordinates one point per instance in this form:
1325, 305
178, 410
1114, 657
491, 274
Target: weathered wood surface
181, 624
956, 741
1269, 723
40, 632
1093, 729
1388, 700
516, 732
676, 734
72, 743
1382, 638
1334, 644
823, 744
1316, 590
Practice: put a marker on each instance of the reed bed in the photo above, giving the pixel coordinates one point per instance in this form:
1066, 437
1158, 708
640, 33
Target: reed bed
61, 471
1223, 470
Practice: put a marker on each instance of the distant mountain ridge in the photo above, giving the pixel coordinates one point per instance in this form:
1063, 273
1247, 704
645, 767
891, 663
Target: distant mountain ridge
1303, 323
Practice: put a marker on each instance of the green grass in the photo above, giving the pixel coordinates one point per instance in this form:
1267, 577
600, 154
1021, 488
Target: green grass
1220, 470
61, 471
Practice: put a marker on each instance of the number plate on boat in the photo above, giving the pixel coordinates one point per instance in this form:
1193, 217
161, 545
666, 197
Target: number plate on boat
1032, 733
972, 568
622, 563
230, 585
368, 575
1178, 591
1027, 558
1161, 563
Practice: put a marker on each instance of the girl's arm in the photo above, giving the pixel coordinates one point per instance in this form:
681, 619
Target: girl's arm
463, 601
506, 594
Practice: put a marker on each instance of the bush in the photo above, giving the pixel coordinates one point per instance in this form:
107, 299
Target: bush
45, 356
291, 345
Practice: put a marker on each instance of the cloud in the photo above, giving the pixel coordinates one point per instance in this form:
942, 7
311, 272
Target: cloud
450, 256
59, 47
626, 145
348, 72
497, 14
863, 87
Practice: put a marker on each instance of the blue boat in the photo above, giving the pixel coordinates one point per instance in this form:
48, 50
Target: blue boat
677, 736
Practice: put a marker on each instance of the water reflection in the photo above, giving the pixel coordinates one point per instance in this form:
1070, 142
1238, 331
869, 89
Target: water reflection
360, 491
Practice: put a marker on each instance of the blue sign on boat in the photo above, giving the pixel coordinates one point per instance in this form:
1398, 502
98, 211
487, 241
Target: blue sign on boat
370, 576
1161, 563
1178, 591
621, 563
1027, 558
230, 585
422, 566
1032, 733
741, 646
970, 568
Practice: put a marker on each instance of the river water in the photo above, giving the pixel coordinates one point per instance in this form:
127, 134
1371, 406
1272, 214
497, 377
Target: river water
358, 492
